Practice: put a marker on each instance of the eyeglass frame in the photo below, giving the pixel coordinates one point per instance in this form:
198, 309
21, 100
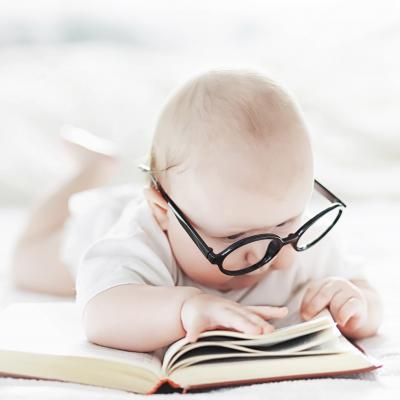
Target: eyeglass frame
291, 239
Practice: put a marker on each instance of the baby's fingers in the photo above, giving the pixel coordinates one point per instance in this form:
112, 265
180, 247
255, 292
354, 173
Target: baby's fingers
269, 312
321, 300
241, 322
352, 307
256, 319
194, 329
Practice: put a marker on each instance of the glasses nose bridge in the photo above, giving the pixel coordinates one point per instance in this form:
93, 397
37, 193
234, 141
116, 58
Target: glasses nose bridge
289, 239
285, 241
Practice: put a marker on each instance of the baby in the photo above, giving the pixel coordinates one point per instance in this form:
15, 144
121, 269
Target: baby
223, 236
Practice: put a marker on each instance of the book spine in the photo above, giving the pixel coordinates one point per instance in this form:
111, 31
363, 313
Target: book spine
166, 386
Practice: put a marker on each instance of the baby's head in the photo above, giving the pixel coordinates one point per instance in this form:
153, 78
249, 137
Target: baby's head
232, 150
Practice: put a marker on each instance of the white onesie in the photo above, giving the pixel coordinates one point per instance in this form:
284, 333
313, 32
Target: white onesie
111, 238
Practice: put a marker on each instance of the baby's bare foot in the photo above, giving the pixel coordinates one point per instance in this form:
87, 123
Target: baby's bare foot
89, 150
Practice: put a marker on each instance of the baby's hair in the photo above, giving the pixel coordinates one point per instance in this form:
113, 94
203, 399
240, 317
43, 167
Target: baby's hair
218, 106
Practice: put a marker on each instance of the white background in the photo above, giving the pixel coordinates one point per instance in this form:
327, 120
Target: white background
108, 67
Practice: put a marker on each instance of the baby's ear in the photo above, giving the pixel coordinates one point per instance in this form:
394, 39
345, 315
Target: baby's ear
158, 206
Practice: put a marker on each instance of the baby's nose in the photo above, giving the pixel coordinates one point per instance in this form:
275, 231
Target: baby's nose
255, 253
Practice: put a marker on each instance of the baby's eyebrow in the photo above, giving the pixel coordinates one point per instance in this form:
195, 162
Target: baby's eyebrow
266, 228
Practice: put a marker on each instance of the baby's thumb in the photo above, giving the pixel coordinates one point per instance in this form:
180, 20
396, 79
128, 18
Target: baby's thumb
193, 332
191, 336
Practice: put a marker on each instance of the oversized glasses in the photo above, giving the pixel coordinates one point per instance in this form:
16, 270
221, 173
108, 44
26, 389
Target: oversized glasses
252, 252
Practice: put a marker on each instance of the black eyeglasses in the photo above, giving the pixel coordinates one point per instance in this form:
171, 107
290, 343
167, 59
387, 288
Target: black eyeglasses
264, 247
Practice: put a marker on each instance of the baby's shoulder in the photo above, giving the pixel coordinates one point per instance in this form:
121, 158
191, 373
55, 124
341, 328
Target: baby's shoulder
330, 256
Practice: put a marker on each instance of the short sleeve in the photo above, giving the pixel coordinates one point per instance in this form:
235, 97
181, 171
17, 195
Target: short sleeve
134, 250
329, 258
326, 258
92, 212
82, 228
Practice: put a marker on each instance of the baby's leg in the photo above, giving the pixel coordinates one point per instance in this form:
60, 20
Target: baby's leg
36, 264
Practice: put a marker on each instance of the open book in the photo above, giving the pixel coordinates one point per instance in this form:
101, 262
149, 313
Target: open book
46, 341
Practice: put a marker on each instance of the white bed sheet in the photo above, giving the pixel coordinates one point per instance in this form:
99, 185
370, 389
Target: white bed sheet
380, 250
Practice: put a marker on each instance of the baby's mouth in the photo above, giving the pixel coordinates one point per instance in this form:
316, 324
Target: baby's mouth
246, 280
259, 273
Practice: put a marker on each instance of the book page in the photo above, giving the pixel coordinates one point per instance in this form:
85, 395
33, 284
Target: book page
332, 346
54, 328
191, 353
223, 337
262, 369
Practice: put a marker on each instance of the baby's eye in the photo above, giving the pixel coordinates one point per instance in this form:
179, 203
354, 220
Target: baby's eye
233, 237
238, 235
229, 238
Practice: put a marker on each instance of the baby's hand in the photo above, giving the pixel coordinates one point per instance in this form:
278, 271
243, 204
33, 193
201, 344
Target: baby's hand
347, 302
204, 312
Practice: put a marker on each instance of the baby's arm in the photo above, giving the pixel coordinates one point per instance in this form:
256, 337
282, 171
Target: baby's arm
137, 317
354, 304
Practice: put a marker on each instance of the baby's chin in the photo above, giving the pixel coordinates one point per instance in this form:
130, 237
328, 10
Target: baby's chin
242, 281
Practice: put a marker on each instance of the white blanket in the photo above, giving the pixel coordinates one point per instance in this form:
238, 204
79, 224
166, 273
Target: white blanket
379, 249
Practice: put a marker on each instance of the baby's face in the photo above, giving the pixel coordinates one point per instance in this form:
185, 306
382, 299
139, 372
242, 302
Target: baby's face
242, 193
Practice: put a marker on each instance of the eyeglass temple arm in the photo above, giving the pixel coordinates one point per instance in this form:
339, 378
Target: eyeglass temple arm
324, 191
146, 168
206, 250
318, 186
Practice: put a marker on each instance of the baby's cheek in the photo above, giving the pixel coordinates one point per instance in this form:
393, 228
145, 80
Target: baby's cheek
190, 259
285, 258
